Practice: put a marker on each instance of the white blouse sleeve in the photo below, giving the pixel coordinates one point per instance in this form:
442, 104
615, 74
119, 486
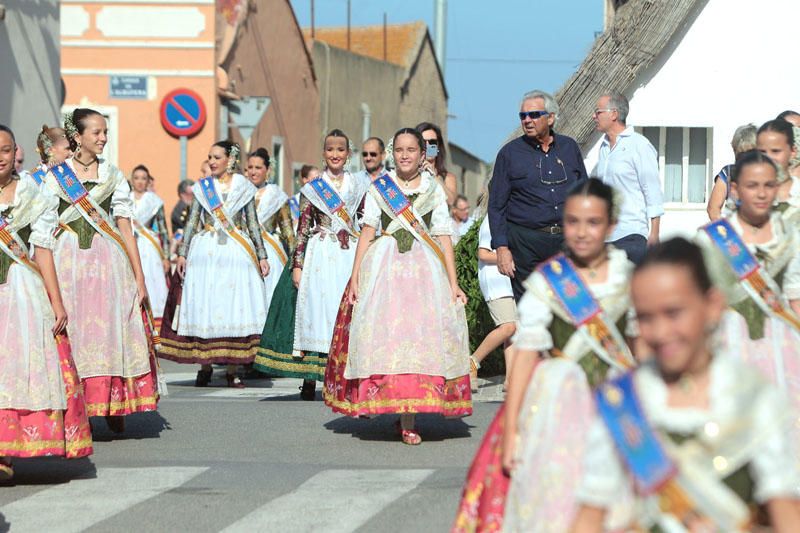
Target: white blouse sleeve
46, 223
534, 318
121, 203
485, 235
372, 213
441, 222
791, 278
603, 478
774, 466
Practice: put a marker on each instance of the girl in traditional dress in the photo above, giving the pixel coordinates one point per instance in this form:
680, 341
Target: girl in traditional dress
216, 309
704, 440
275, 219
152, 239
297, 337
762, 326
408, 347
572, 318
101, 276
53, 147
435, 158
776, 139
42, 411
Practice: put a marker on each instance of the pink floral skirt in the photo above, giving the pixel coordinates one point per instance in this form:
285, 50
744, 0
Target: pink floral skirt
50, 432
387, 394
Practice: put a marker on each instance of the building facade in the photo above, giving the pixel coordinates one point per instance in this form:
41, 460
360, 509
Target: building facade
30, 62
246, 61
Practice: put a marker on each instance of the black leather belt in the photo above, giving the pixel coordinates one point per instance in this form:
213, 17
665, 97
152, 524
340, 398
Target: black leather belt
554, 229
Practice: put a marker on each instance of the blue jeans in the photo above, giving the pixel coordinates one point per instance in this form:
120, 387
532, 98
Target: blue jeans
635, 246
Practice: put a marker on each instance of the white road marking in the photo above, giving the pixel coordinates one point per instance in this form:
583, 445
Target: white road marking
332, 501
81, 503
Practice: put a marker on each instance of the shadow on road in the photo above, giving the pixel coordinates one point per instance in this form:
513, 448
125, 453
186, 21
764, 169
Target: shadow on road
137, 426
50, 471
382, 428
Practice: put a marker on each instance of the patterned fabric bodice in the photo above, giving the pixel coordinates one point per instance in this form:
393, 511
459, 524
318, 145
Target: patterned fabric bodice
6, 260
80, 226
594, 367
403, 237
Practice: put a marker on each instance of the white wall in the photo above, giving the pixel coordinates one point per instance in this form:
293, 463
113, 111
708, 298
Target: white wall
30, 75
736, 64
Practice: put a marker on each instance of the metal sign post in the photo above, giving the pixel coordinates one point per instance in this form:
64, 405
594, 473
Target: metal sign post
184, 149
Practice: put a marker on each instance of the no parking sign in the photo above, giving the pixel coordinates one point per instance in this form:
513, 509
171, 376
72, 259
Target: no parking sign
183, 113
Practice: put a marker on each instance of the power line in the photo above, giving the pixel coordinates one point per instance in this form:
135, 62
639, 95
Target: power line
509, 60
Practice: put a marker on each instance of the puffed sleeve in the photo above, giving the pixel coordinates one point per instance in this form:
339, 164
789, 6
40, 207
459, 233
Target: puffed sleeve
603, 475
534, 317
372, 212
441, 221
791, 278
121, 202
46, 222
631, 324
774, 466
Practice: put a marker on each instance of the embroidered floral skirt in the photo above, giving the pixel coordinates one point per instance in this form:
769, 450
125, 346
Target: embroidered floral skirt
50, 432
387, 394
191, 349
276, 355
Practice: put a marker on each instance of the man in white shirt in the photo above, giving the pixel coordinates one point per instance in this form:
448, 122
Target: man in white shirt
462, 220
629, 163
373, 154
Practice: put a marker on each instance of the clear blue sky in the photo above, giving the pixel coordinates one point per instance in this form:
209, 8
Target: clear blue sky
496, 51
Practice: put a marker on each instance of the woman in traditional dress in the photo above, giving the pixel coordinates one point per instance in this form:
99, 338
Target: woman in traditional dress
572, 318
275, 219
435, 157
762, 325
53, 147
152, 240
297, 337
408, 343
216, 309
776, 139
42, 411
101, 276
702, 442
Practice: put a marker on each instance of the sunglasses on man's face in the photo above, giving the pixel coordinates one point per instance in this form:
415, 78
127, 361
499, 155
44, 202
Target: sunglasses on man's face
369, 154
532, 114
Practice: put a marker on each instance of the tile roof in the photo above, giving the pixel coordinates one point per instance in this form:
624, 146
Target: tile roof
402, 40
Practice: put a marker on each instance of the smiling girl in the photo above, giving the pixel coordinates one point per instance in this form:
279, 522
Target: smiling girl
572, 319
216, 308
42, 411
101, 275
408, 347
297, 337
775, 139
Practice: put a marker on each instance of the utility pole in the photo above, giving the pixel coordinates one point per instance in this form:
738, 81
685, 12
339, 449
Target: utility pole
313, 32
440, 32
348, 25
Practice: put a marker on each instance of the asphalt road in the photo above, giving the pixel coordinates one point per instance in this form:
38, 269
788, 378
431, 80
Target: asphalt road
256, 459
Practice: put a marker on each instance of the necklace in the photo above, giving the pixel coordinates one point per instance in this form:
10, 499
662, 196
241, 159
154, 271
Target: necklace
85, 165
753, 228
591, 270
9, 182
337, 180
406, 182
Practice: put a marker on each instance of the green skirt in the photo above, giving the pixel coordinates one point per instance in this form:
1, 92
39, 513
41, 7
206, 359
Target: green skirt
274, 355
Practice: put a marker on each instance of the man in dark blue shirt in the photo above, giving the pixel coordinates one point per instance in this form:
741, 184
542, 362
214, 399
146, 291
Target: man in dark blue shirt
531, 177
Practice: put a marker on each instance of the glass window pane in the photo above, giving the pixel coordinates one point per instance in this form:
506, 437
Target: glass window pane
673, 175
652, 135
698, 172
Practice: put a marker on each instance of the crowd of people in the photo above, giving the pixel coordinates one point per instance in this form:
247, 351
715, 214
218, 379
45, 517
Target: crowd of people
650, 385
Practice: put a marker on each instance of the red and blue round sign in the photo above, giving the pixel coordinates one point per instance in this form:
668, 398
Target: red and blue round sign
183, 113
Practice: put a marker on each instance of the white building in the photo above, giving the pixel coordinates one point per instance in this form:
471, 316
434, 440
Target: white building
693, 70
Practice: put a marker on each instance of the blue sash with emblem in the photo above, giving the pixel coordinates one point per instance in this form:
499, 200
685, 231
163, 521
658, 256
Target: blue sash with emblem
294, 207
635, 440
216, 206
333, 202
585, 312
69, 183
754, 279
400, 206
38, 175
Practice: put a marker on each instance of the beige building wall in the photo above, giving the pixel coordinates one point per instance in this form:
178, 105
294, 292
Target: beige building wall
270, 59
423, 95
30, 86
347, 80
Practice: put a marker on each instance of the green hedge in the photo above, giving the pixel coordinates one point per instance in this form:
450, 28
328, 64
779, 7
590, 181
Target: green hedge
479, 321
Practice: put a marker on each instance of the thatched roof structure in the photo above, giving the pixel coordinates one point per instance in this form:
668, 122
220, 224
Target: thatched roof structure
624, 57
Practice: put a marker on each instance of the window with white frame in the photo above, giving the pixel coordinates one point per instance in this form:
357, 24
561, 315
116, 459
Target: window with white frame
277, 154
684, 162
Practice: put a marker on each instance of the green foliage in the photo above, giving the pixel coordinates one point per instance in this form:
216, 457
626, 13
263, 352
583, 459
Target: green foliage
479, 321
